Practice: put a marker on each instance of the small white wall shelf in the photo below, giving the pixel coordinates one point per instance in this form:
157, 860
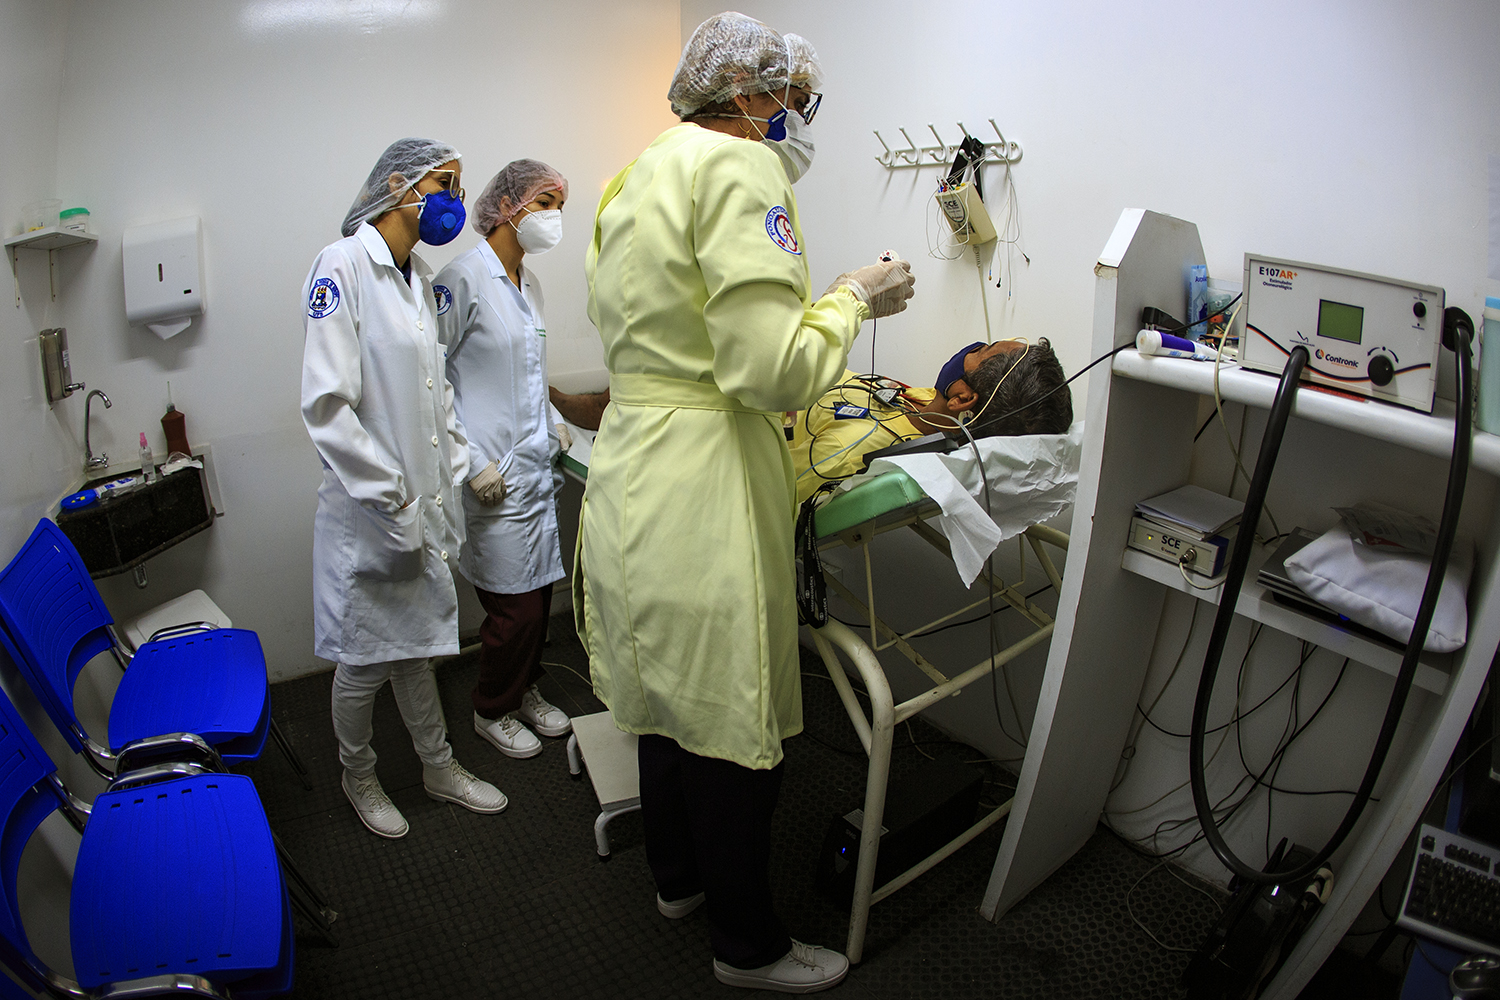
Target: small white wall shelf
49, 239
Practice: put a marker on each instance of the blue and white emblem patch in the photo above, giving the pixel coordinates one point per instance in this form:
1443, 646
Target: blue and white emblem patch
444, 298
323, 299
849, 411
779, 228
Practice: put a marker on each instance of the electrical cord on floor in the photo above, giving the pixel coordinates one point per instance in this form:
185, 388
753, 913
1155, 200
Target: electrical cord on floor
1129, 892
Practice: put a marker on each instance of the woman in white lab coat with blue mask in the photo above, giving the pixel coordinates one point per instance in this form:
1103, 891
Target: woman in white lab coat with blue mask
490, 320
380, 412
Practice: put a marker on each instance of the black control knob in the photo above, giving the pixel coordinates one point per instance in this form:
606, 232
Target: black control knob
1419, 309
1381, 369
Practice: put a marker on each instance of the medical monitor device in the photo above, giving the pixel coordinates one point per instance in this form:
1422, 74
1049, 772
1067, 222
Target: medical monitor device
1366, 335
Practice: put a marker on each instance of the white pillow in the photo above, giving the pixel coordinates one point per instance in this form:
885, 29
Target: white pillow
1381, 588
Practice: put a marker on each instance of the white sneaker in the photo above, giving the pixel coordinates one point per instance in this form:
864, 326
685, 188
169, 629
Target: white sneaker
454, 784
549, 720
807, 968
375, 808
509, 736
679, 909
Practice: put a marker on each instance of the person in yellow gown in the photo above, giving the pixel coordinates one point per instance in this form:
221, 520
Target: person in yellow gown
700, 290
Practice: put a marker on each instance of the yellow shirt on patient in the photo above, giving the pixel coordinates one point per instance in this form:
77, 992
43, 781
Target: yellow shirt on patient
832, 437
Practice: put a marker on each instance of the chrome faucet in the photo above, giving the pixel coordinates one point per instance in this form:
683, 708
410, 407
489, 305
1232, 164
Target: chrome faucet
90, 463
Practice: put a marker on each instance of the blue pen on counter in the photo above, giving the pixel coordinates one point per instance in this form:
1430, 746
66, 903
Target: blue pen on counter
1168, 346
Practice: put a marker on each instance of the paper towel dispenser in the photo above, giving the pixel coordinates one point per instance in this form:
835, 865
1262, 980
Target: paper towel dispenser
164, 275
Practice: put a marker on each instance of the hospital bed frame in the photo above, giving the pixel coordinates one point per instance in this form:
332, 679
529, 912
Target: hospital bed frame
903, 504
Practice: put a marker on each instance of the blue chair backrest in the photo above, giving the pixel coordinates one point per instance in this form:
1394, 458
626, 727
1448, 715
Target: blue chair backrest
55, 621
26, 799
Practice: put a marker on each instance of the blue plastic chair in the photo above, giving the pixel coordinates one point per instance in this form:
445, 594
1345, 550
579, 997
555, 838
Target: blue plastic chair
176, 887
210, 683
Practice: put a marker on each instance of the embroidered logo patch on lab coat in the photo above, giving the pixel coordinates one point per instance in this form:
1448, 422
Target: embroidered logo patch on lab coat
779, 228
323, 299
444, 298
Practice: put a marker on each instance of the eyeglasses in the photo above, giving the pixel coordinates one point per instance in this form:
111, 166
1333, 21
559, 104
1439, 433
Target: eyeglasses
451, 184
810, 110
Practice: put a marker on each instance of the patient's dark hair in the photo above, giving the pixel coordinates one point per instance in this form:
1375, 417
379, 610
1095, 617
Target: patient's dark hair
1036, 375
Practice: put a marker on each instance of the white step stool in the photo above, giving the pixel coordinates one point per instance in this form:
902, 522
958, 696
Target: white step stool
613, 769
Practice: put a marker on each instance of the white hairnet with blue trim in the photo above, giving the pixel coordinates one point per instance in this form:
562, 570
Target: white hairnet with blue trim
411, 159
731, 54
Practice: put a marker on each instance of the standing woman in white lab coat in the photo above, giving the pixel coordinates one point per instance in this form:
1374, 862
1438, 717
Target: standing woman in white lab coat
380, 412
490, 320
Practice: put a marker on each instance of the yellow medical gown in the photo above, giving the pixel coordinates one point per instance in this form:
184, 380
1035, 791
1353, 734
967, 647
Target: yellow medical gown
684, 577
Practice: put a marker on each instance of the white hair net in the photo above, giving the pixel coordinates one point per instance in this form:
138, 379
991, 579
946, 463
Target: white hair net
731, 54
518, 184
411, 158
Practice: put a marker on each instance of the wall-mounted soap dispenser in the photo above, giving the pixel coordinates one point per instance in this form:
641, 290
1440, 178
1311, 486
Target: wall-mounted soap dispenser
57, 373
164, 275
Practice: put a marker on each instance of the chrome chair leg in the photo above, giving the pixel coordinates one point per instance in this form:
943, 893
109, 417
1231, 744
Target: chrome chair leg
306, 898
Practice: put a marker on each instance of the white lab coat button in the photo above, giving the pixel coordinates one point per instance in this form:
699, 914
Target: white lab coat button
439, 501
420, 326
434, 440
429, 383
445, 555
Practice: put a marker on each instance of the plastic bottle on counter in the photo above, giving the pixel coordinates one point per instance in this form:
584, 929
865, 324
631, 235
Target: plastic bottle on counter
148, 468
174, 424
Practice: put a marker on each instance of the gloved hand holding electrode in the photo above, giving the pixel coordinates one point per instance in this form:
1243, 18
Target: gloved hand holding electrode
884, 287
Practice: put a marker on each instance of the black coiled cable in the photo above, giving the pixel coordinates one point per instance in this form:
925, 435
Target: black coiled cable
1460, 327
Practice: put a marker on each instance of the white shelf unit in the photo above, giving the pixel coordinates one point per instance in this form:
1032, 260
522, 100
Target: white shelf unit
1257, 604
49, 239
1138, 443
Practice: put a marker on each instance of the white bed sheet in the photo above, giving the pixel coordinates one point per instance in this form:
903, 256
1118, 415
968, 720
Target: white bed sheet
1032, 479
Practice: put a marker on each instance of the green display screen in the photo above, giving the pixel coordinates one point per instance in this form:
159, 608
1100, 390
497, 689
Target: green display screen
1340, 321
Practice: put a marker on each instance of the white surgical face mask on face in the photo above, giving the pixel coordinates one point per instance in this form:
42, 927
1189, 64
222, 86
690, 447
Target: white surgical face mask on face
796, 150
539, 231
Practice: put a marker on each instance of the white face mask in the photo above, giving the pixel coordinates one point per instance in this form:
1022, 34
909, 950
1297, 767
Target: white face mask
796, 150
539, 231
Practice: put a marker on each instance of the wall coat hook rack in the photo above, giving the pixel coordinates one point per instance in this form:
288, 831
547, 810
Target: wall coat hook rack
1000, 150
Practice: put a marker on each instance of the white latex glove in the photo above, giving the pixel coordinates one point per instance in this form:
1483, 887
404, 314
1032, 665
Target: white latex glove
488, 485
564, 436
884, 287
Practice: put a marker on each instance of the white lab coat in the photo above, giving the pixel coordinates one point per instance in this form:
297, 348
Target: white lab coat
497, 361
380, 412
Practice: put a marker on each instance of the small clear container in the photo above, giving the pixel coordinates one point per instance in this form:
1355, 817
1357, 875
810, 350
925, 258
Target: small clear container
40, 215
74, 220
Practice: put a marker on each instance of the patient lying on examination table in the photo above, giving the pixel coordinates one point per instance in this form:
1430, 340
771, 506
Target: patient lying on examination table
1010, 387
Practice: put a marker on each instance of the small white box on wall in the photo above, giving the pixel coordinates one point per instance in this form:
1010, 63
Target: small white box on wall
164, 275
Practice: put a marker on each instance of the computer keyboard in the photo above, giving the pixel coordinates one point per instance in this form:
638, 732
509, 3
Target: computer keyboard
1454, 892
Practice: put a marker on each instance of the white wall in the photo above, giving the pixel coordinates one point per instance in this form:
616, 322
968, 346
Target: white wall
263, 118
1351, 134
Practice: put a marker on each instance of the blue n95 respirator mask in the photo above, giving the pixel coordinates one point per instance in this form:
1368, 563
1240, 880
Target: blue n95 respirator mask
953, 368
441, 217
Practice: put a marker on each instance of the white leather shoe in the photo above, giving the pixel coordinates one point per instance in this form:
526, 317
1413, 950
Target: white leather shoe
807, 968
454, 784
508, 735
547, 719
679, 909
375, 808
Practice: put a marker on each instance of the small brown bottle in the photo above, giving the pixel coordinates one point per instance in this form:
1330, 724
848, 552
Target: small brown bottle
174, 425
